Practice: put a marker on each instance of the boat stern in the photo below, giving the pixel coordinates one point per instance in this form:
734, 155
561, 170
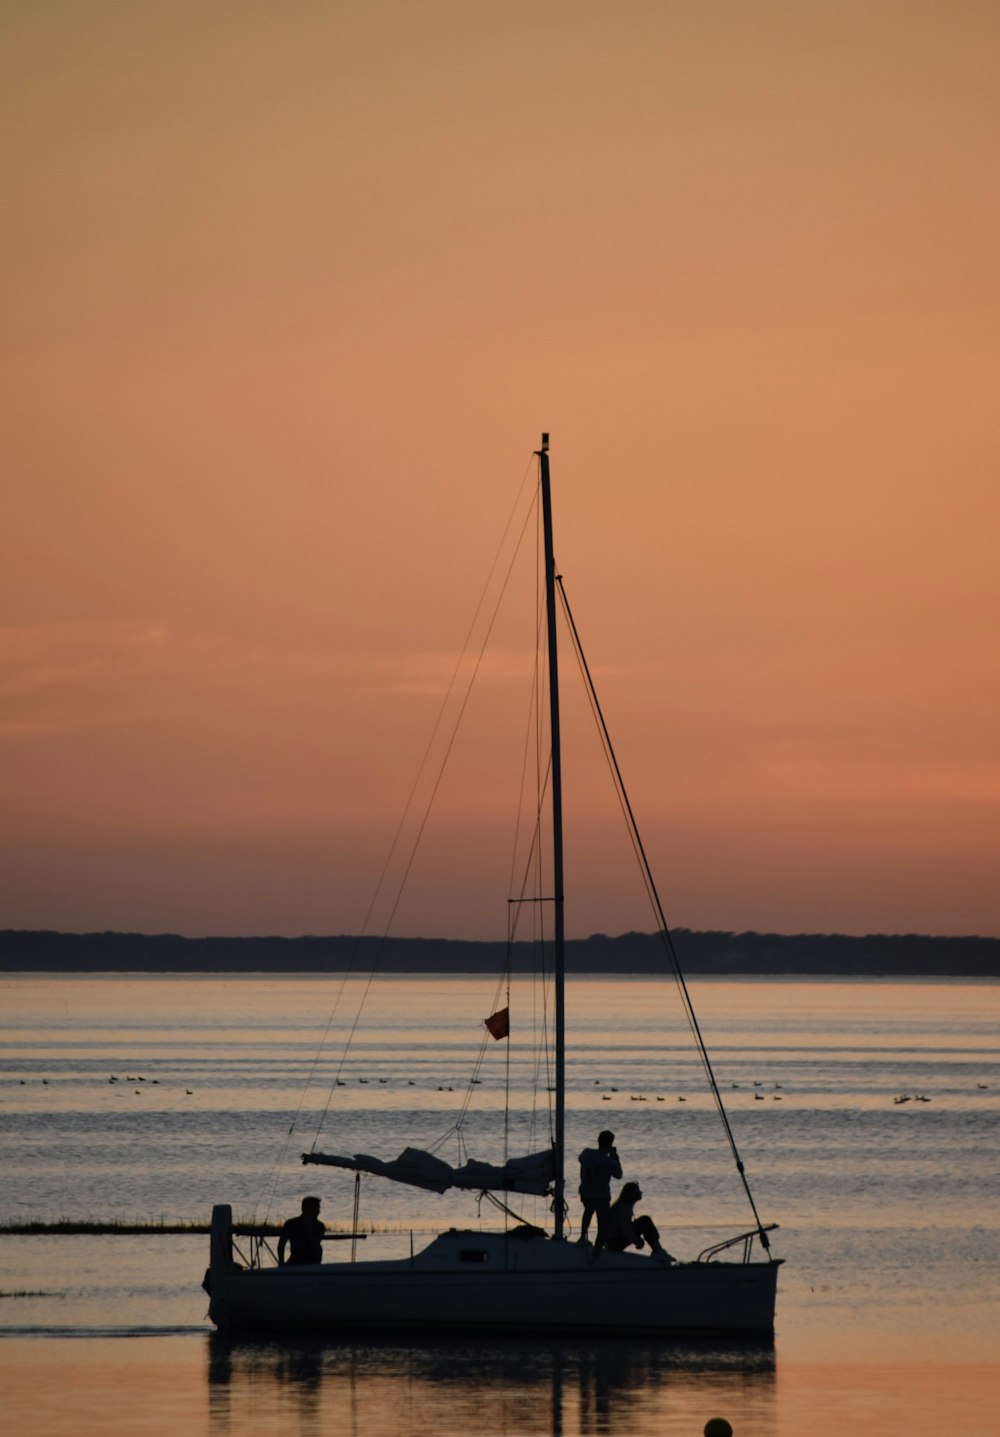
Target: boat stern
220, 1263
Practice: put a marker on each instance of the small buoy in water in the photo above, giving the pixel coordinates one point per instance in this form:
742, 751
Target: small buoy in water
718, 1427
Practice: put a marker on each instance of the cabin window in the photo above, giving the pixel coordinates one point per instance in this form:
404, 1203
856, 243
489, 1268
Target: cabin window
473, 1254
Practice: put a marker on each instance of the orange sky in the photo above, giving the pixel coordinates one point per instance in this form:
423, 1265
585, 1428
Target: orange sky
291, 292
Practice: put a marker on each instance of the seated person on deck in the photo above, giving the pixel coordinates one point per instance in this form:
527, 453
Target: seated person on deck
624, 1229
304, 1234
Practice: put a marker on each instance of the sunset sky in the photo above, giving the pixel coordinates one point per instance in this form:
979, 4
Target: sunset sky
291, 292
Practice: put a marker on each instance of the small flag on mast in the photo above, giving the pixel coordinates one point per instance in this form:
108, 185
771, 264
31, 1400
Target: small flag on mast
498, 1026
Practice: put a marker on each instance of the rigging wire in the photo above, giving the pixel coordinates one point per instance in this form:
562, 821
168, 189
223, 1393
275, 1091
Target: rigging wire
663, 929
407, 809
281, 1157
531, 875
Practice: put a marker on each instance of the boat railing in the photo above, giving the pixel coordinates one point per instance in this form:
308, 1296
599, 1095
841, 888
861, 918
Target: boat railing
260, 1253
259, 1246
709, 1254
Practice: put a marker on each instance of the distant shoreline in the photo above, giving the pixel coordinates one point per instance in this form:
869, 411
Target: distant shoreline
719, 953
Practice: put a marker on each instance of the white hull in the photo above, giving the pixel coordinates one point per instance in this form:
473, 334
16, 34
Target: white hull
480, 1282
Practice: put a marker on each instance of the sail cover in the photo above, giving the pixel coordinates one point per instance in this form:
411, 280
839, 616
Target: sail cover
532, 1174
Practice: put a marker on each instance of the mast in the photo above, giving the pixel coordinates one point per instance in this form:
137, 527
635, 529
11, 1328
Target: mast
559, 964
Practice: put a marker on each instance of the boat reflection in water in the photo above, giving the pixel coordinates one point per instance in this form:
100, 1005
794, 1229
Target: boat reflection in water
552, 1388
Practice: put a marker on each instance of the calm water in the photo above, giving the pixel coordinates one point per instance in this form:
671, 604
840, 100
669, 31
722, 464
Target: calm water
887, 1314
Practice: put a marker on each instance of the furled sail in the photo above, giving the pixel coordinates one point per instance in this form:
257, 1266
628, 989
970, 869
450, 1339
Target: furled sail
532, 1174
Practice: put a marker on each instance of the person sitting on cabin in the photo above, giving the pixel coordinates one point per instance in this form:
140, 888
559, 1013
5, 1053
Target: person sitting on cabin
304, 1234
597, 1167
623, 1229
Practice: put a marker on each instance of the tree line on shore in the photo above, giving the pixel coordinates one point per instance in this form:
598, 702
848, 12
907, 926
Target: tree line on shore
720, 953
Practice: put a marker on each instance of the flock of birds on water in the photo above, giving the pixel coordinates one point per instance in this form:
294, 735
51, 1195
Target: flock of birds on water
776, 1097
153, 1082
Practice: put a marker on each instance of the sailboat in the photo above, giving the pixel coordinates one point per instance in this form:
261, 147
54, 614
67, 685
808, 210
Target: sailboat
523, 1278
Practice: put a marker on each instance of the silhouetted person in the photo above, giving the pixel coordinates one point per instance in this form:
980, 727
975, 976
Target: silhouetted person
597, 1167
304, 1234
623, 1229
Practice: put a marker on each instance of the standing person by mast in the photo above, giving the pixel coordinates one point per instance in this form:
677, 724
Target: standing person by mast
597, 1167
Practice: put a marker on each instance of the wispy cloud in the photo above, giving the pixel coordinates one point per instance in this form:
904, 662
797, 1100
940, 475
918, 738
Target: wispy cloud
432, 673
63, 675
